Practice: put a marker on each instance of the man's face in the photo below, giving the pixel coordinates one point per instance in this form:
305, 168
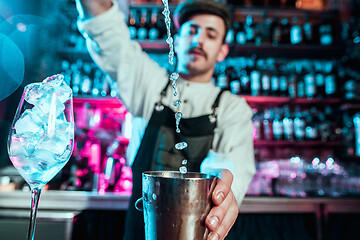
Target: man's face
199, 44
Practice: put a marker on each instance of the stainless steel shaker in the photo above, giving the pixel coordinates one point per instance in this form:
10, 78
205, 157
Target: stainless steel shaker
175, 206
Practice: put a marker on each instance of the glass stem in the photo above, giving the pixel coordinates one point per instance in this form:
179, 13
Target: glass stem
35, 196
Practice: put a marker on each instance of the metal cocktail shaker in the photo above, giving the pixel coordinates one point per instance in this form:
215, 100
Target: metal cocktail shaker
175, 206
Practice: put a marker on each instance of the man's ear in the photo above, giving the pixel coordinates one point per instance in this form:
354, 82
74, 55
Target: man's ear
224, 50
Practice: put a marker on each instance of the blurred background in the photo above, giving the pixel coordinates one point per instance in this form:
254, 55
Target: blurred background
296, 62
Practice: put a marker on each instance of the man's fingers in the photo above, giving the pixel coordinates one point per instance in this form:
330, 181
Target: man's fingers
223, 187
217, 214
224, 227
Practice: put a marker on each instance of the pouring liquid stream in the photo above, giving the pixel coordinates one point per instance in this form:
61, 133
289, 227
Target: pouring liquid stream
173, 77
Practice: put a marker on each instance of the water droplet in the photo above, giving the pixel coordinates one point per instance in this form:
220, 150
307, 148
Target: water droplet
184, 162
181, 145
174, 76
177, 102
183, 170
154, 196
178, 115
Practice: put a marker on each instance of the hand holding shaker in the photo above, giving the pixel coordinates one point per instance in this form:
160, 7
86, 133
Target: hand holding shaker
175, 206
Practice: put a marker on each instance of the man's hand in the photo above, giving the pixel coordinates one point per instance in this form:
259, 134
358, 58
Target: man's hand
223, 215
92, 8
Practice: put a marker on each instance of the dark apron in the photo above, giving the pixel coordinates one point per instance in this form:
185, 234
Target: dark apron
157, 152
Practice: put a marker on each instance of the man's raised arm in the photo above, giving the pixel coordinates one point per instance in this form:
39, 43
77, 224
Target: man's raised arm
92, 8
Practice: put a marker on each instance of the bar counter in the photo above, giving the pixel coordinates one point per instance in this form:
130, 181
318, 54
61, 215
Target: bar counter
79, 201
61, 209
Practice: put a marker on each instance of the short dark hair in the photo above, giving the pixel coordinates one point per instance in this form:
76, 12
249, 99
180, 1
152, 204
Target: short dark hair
187, 9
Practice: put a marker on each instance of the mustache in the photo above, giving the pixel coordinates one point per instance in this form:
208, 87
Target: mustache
198, 50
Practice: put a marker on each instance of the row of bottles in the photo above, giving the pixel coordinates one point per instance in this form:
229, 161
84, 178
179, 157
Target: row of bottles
276, 30
278, 77
146, 23
296, 124
86, 79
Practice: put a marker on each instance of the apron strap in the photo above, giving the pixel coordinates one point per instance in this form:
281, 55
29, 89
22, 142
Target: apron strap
213, 116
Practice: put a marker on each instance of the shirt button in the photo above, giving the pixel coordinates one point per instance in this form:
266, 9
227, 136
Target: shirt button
185, 101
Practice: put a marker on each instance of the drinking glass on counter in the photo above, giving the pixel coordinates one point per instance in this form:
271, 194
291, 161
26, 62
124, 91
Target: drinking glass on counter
41, 137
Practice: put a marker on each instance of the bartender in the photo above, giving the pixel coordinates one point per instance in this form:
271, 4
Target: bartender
216, 124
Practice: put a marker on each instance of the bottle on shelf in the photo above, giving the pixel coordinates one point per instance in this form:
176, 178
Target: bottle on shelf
309, 82
265, 81
288, 123
255, 82
249, 29
296, 35
276, 32
330, 80
283, 81
275, 81
245, 81
308, 29
153, 28
326, 34
312, 125
278, 124
319, 79
299, 124
142, 32
267, 124
133, 23
240, 35
257, 122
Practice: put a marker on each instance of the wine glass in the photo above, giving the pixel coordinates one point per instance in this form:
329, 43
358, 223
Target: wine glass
41, 137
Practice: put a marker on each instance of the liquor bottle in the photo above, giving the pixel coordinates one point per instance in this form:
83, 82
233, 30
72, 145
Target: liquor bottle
255, 82
319, 79
257, 122
325, 32
133, 23
296, 35
288, 124
268, 124
283, 81
276, 32
85, 81
330, 80
142, 32
265, 79
235, 85
249, 29
299, 125
230, 36
309, 81
154, 31
76, 79
258, 33
285, 31
240, 36
245, 81
292, 85
275, 82
308, 29
266, 30
325, 127
96, 86
278, 125
222, 79
312, 125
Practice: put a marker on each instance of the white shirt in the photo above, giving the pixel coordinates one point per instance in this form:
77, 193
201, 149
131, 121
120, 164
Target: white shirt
140, 81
